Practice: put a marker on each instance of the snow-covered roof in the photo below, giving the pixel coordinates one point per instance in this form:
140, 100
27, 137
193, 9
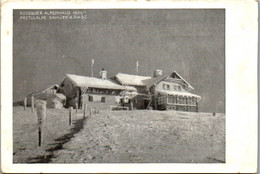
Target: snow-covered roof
136, 80
183, 80
154, 80
180, 93
129, 79
84, 81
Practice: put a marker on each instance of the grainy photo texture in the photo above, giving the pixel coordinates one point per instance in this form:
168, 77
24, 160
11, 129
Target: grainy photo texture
119, 86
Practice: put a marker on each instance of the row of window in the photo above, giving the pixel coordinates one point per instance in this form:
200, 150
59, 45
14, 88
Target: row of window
101, 91
91, 99
176, 87
182, 100
161, 100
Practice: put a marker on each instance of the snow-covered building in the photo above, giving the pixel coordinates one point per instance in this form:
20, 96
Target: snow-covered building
162, 91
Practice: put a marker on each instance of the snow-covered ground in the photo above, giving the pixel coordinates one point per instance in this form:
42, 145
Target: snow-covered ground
123, 136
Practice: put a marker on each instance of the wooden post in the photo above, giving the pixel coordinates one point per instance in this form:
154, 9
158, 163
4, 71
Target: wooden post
155, 101
85, 109
77, 107
25, 103
82, 102
41, 115
70, 114
32, 104
132, 105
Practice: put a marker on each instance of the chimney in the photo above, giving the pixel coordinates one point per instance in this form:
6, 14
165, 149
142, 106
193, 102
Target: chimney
103, 74
157, 73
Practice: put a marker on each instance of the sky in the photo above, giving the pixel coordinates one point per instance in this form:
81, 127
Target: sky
191, 42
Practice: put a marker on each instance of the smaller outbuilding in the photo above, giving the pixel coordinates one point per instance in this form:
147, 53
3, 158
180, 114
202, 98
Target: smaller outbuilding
50, 95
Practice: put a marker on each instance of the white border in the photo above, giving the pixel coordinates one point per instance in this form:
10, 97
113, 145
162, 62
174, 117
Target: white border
241, 84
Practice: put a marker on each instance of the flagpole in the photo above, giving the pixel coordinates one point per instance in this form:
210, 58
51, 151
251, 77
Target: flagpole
137, 65
92, 64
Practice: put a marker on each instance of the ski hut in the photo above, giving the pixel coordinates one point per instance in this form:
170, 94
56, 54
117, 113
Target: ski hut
162, 91
101, 91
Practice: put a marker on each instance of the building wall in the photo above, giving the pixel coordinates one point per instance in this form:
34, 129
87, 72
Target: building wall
100, 101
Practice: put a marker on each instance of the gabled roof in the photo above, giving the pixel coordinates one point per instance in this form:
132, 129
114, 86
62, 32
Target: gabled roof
155, 80
129, 79
84, 81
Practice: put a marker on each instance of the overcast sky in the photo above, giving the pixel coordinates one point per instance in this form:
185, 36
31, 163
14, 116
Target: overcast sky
191, 42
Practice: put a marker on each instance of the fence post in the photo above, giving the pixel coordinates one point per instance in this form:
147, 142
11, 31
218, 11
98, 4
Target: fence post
32, 104
77, 107
84, 111
82, 102
41, 115
25, 103
70, 114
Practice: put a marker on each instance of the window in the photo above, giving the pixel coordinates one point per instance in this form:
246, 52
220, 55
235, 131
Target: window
193, 101
181, 100
177, 87
166, 86
161, 100
103, 99
178, 100
90, 98
189, 100
170, 99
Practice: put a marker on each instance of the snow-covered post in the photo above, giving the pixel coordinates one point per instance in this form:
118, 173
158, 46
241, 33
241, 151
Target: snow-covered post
32, 104
77, 106
70, 114
41, 116
85, 109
